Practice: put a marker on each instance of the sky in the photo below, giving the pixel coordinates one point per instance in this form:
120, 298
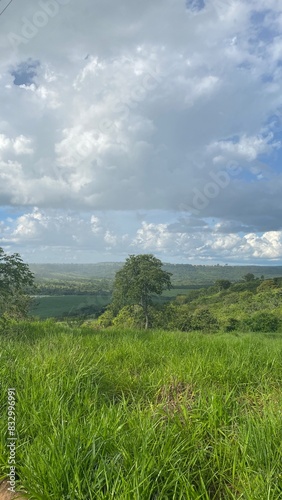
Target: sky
141, 127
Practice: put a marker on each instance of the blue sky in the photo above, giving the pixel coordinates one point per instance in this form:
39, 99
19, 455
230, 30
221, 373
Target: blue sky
147, 127
25, 72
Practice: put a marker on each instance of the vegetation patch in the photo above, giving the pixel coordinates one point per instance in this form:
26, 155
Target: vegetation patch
176, 399
129, 414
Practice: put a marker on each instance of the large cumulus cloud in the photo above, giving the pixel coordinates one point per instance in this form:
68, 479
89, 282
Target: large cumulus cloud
126, 106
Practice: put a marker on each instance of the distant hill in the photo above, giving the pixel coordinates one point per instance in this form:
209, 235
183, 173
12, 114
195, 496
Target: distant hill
76, 271
182, 274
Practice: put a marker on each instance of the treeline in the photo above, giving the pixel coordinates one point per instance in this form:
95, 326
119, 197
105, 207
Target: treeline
182, 274
252, 304
73, 287
103, 270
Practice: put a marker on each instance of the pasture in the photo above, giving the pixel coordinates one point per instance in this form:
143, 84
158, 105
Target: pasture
58, 306
130, 415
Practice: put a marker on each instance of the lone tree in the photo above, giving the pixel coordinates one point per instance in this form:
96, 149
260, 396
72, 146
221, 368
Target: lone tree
141, 277
223, 284
15, 277
249, 277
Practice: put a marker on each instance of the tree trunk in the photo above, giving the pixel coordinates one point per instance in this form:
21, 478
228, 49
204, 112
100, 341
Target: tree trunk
144, 305
146, 320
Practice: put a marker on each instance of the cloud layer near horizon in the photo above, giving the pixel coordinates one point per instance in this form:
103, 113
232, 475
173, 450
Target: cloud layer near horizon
117, 112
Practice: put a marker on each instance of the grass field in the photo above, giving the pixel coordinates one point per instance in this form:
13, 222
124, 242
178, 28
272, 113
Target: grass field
57, 306
130, 415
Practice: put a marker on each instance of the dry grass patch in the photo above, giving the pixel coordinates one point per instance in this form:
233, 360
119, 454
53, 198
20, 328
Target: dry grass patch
5, 494
176, 397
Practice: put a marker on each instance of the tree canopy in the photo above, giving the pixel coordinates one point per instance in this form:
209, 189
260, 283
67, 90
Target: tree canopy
249, 277
15, 277
140, 278
223, 284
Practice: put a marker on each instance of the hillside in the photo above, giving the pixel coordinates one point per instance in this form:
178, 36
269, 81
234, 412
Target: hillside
81, 290
251, 304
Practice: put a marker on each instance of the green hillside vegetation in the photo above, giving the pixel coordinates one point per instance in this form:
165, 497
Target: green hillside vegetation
66, 286
89, 286
131, 415
252, 304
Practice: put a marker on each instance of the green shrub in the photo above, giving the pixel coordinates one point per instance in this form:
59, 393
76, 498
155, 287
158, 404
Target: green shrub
204, 320
131, 316
180, 318
106, 319
232, 325
267, 285
262, 322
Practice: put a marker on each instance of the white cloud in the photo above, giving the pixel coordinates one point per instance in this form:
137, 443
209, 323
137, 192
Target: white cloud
248, 148
21, 145
125, 113
95, 236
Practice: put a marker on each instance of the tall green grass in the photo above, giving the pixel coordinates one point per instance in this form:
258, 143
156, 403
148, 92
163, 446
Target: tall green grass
132, 415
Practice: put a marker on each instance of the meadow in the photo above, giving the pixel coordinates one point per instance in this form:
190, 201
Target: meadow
134, 415
59, 306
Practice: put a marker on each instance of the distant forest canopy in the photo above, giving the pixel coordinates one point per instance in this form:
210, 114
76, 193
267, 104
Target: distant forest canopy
182, 274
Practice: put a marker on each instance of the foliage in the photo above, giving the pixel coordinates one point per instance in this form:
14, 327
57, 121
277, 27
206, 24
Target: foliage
232, 325
180, 318
232, 305
68, 286
106, 319
185, 275
262, 322
249, 277
267, 285
227, 310
243, 286
140, 278
131, 316
223, 284
15, 278
204, 320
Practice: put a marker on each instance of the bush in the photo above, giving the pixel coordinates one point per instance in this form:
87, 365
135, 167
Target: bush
222, 285
267, 285
159, 316
106, 319
131, 316
179, 318
250, 286
262, 322
204, 320
232, 325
